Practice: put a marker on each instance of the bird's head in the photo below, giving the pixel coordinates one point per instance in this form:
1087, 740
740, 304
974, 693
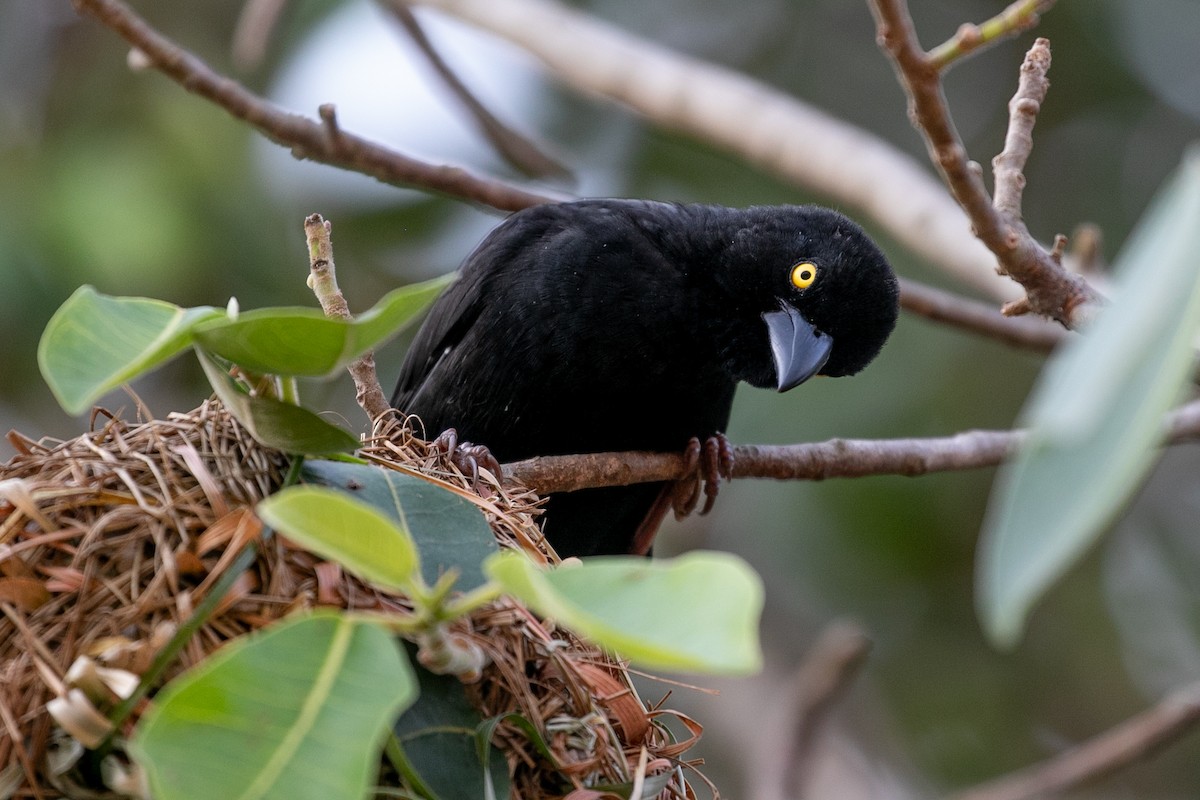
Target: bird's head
807, 293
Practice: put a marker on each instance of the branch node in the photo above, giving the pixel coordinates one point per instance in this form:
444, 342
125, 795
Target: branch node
1017, 308
1060, 246
329, 121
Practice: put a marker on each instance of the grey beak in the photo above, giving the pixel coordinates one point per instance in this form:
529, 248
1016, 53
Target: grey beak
799, 349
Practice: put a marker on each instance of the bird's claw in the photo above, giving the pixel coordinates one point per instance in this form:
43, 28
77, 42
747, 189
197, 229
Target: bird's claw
468, 458
705, 464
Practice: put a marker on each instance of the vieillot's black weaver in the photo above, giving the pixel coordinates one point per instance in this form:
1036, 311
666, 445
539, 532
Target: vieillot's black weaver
607, 325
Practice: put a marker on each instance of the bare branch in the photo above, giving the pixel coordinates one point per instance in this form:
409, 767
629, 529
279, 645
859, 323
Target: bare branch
784, 136
323, 280
1009, 166
820, 683
1049, 289
306, 138
1133, 740
835, 458
518, 150
1032, 333
255, 24
325, 141
1020, 16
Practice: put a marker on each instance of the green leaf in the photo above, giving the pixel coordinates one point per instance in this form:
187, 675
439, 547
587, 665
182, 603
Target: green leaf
698, 612
1095, 417
346, 530
438, 736
95, 342
303, 341
275, 423
297, 711
450, 532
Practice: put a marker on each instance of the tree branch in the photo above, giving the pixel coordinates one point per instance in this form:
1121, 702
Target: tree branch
323, 281
1032, 333
823, 679
306, 138
519, 151
835, 458
326, 142
1049, 289
1134, 739
1020, 16
786, 137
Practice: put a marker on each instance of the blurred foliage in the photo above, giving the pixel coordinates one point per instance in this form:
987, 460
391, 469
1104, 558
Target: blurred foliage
122, 180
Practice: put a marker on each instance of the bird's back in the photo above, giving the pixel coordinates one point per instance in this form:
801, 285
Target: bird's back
569, 331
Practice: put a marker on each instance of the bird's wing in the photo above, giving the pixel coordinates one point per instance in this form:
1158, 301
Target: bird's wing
456, 311
452, 316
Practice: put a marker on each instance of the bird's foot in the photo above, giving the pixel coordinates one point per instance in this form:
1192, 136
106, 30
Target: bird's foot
468, 458
705, 465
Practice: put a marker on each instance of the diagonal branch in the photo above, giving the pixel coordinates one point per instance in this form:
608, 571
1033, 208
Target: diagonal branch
1031, 333
519, 151
970, 38
305, 137
1130, 741
1049, 289
326, 142
758, 123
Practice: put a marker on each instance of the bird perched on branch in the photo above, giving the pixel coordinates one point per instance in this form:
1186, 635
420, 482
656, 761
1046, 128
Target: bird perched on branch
609, 325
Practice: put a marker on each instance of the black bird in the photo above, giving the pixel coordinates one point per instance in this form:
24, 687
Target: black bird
607, 325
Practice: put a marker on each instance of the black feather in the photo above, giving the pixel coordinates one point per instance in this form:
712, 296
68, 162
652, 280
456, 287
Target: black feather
626, 325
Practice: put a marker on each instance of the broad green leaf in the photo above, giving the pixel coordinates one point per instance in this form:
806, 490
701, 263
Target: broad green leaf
297, 711
1095, 417
450, 532
303, 341
698, 612
438, 736
346, 530
275, 423
95, 342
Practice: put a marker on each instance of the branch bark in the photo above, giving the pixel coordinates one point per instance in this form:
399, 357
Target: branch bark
1030, 333
970, 38
764, 126
1134, 739
1049, 289
325, 141
323, 279
306, 138
835, 458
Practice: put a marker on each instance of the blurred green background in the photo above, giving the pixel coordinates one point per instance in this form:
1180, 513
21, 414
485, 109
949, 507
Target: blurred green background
120, 179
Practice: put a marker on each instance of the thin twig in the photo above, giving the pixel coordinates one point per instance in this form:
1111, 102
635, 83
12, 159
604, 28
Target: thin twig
786, 137
323, 280
305, 137
835, 458
827, 673
325, 141
1009, 166
517, 150
970, 38
1135, 739
252, 33
1049, 289
1031, 333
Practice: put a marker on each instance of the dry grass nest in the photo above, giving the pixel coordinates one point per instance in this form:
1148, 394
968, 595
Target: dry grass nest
110, 540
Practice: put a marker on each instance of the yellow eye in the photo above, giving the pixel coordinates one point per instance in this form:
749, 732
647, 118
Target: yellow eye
803, 275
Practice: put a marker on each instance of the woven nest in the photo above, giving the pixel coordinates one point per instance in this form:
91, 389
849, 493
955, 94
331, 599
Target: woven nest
110, 540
